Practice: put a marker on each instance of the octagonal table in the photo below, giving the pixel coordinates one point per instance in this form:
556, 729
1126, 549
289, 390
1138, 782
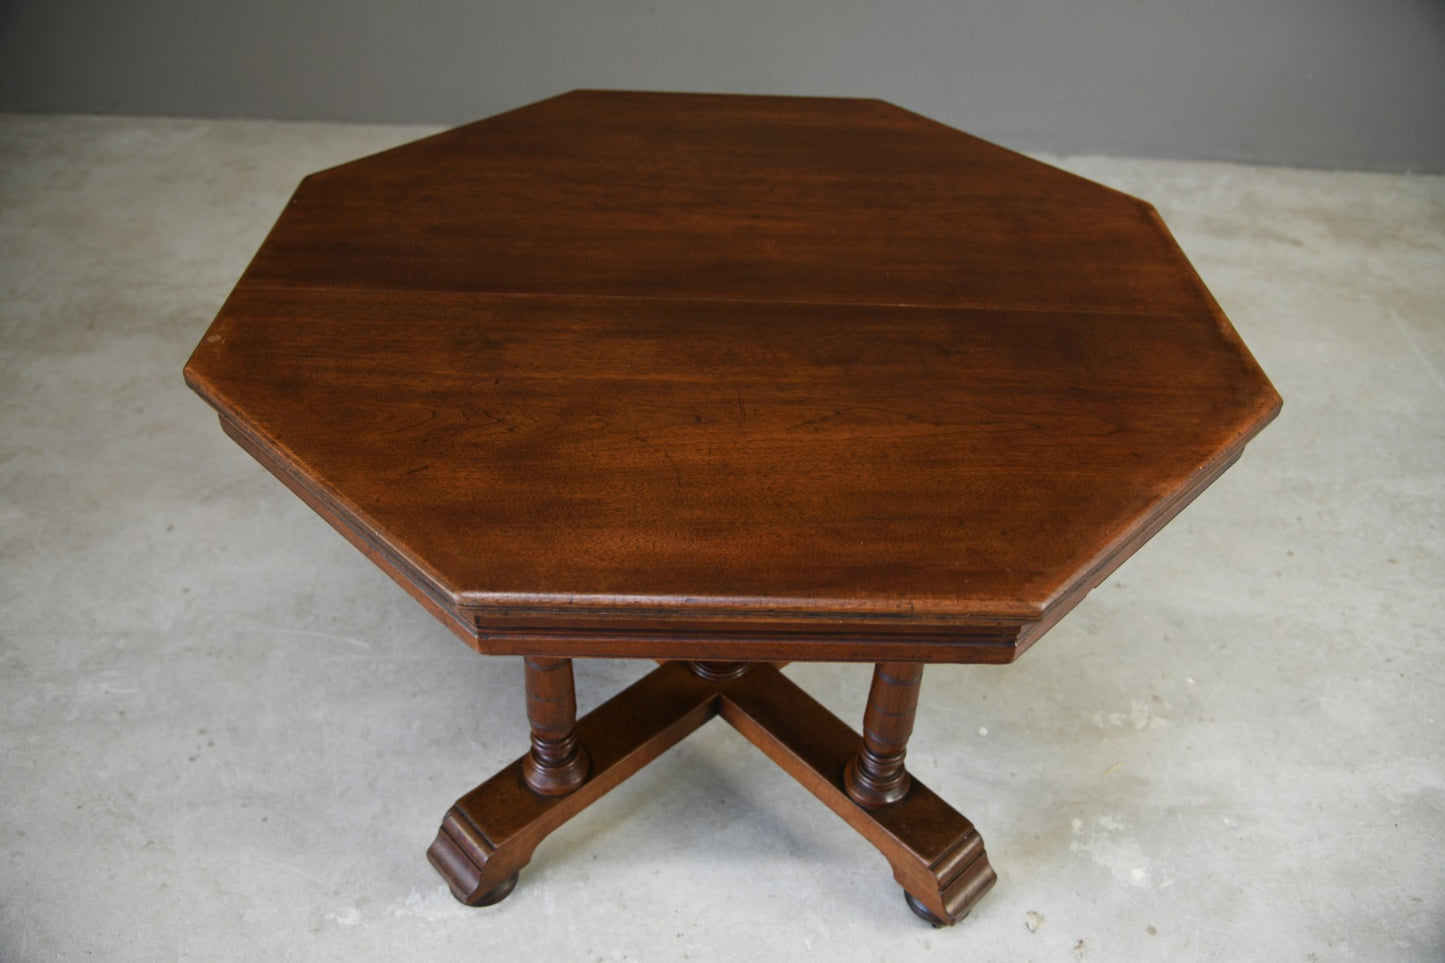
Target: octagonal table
727, 382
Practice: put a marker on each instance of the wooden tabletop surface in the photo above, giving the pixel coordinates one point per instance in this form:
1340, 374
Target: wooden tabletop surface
699, 376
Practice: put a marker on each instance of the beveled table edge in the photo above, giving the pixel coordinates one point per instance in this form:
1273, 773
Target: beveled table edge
724, 629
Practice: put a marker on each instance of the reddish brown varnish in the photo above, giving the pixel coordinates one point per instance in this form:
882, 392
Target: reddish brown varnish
875, 777
557, 764
489, 835
730, 380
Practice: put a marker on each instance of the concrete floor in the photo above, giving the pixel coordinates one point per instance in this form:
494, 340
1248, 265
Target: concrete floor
224, 735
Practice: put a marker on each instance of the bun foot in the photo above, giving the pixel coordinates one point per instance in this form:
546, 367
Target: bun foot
919, 910
501, 893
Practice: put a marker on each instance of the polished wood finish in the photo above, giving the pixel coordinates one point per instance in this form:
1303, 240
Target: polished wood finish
557, 764
875, 777
490, 834
719, 671
730, 381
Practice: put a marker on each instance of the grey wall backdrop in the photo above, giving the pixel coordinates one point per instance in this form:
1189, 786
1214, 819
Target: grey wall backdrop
1327, 83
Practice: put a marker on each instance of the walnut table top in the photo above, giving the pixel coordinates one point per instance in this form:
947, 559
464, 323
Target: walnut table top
731, 377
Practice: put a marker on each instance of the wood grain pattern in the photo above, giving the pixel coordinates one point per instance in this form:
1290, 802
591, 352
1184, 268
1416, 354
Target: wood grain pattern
725, 198
731, 379
876, 776
557, 764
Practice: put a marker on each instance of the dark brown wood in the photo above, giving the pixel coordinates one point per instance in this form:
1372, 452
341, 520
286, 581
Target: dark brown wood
875, 777
557, 764
491, 833
731, 379
719, 671
936, 854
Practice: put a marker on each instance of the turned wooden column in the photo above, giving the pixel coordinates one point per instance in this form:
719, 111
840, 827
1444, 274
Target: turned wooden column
875, 777
720, 671
556, 764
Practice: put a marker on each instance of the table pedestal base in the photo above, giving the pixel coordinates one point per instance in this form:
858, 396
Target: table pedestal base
936, 854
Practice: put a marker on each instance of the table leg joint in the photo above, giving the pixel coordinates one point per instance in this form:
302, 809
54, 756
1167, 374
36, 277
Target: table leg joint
490, 833
936, 854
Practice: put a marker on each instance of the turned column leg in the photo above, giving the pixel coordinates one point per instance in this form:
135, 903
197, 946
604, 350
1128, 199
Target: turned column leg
556, 764
936, 854
489, 835
720, 671
875, 777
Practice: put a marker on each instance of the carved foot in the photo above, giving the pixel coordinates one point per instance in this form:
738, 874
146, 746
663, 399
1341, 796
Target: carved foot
463, 855
960, 877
